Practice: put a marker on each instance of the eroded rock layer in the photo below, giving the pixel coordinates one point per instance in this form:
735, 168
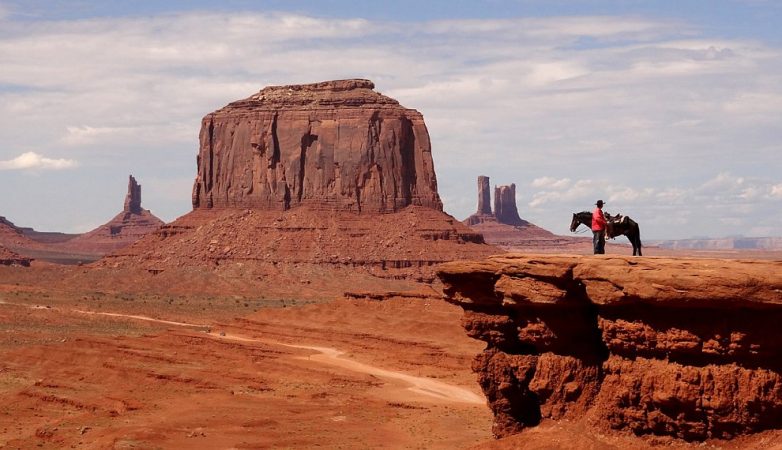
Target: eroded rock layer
331, 145
9, 258
682, 347
405, 244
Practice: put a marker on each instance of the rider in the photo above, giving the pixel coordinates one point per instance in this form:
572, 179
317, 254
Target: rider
599, 229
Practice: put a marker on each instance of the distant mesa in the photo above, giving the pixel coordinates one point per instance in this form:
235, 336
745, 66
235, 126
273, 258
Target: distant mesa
331, 174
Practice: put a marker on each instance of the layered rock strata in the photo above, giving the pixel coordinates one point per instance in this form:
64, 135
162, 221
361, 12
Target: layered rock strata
407, 244
336, 145
681, 347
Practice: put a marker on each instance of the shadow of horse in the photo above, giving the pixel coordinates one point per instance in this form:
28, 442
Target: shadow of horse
615, 226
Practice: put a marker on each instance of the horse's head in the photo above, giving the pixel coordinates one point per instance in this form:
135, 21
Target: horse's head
574, 223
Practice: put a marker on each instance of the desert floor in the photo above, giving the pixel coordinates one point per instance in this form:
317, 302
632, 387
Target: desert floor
88, 368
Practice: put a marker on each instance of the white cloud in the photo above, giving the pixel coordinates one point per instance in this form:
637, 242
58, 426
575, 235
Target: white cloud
32, 161
776, 191
550, 183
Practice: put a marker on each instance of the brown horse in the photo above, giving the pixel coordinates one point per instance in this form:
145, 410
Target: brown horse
616, 225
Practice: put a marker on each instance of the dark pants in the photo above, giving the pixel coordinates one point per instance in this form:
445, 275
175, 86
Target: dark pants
599, 242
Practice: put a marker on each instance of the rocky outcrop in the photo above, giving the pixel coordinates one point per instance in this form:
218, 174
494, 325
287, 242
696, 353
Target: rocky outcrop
504, 227
130, 225
505, 206
333, 145
681, 347
9, 258
12, 237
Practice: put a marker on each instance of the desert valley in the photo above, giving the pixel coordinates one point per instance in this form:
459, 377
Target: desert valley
318, 295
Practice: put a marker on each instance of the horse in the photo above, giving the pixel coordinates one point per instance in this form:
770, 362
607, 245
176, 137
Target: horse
616, 225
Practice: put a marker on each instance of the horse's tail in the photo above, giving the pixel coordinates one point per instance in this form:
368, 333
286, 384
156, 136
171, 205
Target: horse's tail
637, 234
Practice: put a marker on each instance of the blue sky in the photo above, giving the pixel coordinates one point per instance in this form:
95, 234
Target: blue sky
669, 111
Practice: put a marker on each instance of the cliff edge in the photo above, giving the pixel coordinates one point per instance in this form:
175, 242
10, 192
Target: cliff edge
689, 348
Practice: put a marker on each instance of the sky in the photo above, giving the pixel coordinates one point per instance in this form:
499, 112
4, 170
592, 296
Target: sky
671, 112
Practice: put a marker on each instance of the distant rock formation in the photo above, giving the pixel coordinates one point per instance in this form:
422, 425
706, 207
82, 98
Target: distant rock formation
335, 145
504, 227
505, 210
734, 243
330, 175
484, 196
9, 258
505, 206
690, 348
12, 236
133, 198
131, 224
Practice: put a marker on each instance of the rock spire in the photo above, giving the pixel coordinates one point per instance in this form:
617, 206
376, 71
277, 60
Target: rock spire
133, 198
484, 195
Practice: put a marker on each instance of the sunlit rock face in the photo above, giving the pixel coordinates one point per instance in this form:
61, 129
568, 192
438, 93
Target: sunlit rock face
336, 145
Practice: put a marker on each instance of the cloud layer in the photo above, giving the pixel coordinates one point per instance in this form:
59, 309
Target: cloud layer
638, 111
34, 161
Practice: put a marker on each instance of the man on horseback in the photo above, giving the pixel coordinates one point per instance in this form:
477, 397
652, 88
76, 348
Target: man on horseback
599, 229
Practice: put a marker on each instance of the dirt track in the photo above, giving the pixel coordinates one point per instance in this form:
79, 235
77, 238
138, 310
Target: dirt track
282, 378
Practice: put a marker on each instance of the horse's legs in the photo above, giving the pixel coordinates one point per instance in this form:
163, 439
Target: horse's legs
636, 244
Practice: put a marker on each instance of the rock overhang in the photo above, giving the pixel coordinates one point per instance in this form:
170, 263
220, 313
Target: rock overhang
684, 347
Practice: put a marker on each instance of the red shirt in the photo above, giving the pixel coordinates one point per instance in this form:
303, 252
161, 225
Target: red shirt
598, 220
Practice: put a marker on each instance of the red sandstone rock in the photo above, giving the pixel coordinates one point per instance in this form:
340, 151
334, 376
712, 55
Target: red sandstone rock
504, 227
12, 236
131, 224
336, 145
133, 198
505, 206
407, 244
484, 196
687, 348
328, 175
9, 258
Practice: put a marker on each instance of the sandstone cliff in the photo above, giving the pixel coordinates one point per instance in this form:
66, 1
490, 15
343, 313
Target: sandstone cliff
682, 347
336, 145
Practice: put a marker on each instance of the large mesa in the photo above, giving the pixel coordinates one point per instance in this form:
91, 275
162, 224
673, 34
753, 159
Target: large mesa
327, 175
335, 144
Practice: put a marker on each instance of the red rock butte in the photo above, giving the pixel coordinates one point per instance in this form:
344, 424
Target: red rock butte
336, 144
328, 174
